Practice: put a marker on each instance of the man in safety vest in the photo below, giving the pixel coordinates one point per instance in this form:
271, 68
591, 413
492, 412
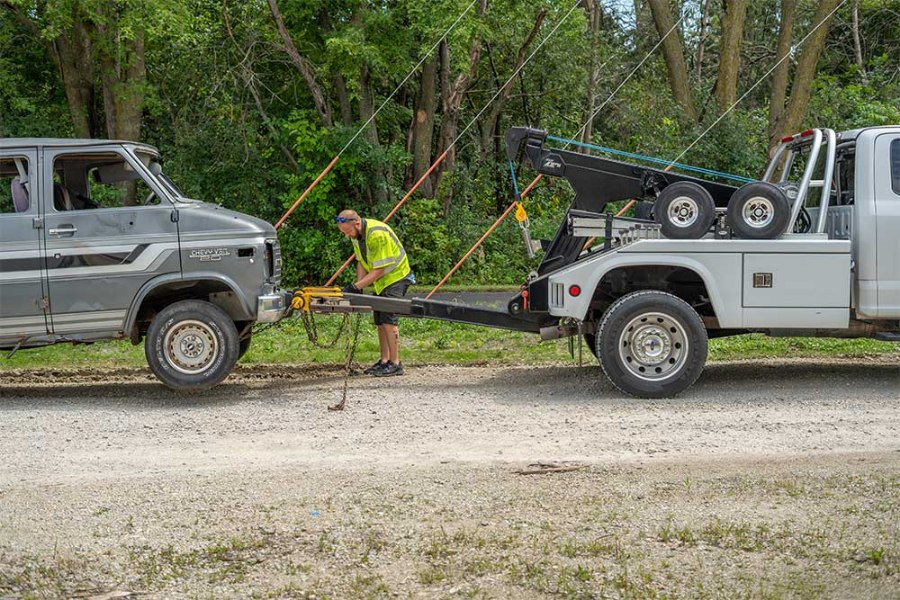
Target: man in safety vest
381, 262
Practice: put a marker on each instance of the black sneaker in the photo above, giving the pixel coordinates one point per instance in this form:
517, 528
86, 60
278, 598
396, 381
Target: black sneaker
374, 368
389, 370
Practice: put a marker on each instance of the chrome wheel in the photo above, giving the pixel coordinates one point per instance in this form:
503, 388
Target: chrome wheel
758, 212
653, 346
190, 347
683, 211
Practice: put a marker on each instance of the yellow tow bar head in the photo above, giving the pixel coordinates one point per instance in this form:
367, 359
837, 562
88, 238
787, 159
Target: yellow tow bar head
303, 297
522, 218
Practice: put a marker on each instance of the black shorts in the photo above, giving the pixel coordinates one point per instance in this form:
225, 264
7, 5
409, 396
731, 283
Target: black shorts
395, 290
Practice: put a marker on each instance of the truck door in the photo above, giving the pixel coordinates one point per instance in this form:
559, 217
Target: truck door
887, 211
109, 229
22, 308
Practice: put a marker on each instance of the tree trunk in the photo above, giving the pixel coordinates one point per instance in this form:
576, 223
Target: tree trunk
72, 54
783, 69
378, 191
77, 73
805, 73
730, 53
489, 125
340, 87
594, 20
642, 18
674, 55
124, 76
701, 42
857, 46
423, 125
452, 96
303, 65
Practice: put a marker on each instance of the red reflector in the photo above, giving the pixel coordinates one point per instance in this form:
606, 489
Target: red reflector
787, 139
808, 133
575, 290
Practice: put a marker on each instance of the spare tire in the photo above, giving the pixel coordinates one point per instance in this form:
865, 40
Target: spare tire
759, 211
685, 211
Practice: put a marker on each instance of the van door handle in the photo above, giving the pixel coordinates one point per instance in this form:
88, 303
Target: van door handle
61, 231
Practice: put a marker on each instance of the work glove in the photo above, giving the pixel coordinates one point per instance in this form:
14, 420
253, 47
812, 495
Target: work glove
351, 288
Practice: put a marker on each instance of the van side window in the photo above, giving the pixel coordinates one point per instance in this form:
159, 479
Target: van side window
14, 185
88, 181
895, 166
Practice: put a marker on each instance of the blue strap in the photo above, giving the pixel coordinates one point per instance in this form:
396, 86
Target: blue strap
512, 172
652, 159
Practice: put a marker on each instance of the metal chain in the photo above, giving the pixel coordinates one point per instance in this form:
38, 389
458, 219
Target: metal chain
348, 361
312, 332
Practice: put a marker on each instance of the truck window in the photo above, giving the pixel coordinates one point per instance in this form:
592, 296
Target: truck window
89, 181
14, 196
895, 166
845, 174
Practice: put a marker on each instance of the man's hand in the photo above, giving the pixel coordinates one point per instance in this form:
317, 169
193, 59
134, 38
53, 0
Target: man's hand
351, 288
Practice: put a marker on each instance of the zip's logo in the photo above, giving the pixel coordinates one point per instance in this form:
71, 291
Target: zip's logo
552, 163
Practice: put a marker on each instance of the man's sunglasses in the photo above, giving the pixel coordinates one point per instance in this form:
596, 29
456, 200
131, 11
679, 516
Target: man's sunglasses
344, 220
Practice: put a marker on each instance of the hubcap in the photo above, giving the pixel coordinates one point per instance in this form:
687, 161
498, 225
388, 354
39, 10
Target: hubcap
190, 347
653, 346
683, 211
758, 212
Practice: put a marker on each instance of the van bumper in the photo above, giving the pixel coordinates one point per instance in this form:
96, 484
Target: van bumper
271, 308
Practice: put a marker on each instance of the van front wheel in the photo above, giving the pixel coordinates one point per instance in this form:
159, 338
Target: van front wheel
191, 345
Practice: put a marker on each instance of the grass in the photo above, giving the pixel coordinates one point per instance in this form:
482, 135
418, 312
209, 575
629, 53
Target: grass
432, 342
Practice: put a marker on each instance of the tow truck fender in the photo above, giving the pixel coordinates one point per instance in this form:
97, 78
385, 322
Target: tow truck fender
724, 288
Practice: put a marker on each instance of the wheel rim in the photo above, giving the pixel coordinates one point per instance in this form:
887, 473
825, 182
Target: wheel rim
190, 347
653, 346
758, 212
683, 211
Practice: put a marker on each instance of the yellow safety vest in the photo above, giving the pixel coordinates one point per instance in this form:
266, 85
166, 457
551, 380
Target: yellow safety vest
380, 249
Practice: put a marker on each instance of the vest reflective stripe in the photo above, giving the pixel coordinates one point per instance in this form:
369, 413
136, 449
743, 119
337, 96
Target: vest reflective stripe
395, 264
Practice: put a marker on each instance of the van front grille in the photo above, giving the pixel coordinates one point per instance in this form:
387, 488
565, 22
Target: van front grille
274, 252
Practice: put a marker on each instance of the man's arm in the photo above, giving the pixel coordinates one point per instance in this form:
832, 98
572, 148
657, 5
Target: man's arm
369, 278
360, 271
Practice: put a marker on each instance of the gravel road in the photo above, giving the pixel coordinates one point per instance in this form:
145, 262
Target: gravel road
111, 482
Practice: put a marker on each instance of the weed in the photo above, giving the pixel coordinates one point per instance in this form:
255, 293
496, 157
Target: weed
875, 556
432, 575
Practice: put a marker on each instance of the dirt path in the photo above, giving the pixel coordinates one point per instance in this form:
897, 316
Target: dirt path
766, 478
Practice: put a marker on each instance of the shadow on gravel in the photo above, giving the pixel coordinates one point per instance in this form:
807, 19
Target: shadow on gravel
720, 383
118, 395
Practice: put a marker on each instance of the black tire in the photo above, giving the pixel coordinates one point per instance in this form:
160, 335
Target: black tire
673, 351
191, 345
243, 346
759, 211
685, 211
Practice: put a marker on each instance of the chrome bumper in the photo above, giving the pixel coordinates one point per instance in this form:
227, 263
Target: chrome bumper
271, 308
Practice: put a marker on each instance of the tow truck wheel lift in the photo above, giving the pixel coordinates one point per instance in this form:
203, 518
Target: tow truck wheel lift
597, 182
